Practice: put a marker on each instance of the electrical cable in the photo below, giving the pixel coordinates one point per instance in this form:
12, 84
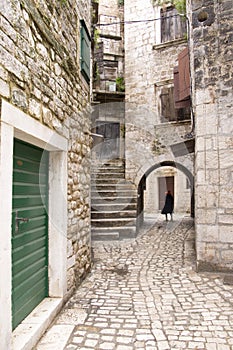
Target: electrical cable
139, 21
189, 135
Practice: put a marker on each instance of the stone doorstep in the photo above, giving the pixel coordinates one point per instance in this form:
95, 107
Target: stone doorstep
31, 329
114, 235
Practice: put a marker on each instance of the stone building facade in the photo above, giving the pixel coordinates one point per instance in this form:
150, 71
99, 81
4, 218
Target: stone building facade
153, 126
151, 141
45, 108
211, 48
108, 80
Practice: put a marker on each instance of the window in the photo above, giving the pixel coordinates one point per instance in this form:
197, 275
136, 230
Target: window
85, 51
168, 112
173, 26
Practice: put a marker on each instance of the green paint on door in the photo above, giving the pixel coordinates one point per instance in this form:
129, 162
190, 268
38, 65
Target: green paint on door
29, 229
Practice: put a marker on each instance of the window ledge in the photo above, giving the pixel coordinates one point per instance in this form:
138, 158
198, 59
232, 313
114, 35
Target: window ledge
169, 44
176, 122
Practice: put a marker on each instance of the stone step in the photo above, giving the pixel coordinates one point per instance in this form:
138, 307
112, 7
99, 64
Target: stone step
113, 207
115, 233
113, 222
119, 200
106, 172
105, 236
113, 202
109, 180
113, 187
110, 163
113, 214
100, 176
107, 168
114, 194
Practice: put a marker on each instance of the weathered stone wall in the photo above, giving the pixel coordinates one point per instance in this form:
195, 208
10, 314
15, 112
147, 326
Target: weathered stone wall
40, 74
146, 148
147, 67
211, 45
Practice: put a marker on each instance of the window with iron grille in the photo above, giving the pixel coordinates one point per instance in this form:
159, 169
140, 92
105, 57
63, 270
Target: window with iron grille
85, 51
173, 26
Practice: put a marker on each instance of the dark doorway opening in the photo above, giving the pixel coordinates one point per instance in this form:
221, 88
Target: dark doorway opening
166, 183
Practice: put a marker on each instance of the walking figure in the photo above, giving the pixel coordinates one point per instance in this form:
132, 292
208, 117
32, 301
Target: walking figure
168, 206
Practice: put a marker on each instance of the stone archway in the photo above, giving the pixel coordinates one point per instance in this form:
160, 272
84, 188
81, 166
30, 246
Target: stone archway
142, 186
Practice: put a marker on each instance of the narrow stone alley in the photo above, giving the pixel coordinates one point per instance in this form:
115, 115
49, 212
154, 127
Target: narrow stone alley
145, 294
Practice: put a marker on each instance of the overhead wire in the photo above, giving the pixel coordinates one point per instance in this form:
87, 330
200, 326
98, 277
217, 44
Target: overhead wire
159, 19
139, 21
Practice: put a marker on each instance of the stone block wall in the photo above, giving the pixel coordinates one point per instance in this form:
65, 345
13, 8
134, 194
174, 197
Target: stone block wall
148, 66
40, 74
211, 44
146, 148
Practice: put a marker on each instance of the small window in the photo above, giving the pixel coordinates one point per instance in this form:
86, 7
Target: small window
85, 51
168, 111
173, 26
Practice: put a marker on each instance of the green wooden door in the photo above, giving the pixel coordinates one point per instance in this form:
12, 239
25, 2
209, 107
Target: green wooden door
29, 230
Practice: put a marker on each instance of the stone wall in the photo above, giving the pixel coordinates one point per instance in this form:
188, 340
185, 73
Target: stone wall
40, 74
146, 148
148, 66
211, 45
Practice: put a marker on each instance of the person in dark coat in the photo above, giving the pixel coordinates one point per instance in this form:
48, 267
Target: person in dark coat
169, 205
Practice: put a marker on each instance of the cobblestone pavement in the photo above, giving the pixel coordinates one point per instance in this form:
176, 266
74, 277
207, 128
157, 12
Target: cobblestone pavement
145, 294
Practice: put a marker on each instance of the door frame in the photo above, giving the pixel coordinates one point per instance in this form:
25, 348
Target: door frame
162, 189
17, 124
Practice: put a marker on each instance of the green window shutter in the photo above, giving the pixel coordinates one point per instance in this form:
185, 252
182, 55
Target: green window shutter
85, 52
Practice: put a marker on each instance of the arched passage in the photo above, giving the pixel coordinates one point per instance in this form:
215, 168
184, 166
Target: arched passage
142, 187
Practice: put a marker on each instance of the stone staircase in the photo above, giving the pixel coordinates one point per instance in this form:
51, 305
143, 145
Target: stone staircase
113, 202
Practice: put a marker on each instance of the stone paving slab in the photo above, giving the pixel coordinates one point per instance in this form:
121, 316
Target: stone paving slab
145, 294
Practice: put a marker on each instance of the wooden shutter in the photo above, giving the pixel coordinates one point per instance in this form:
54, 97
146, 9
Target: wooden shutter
182, 81
176, 87
173, 26
85, 52
184, 74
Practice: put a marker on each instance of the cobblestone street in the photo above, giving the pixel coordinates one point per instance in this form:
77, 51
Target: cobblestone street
145, 294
